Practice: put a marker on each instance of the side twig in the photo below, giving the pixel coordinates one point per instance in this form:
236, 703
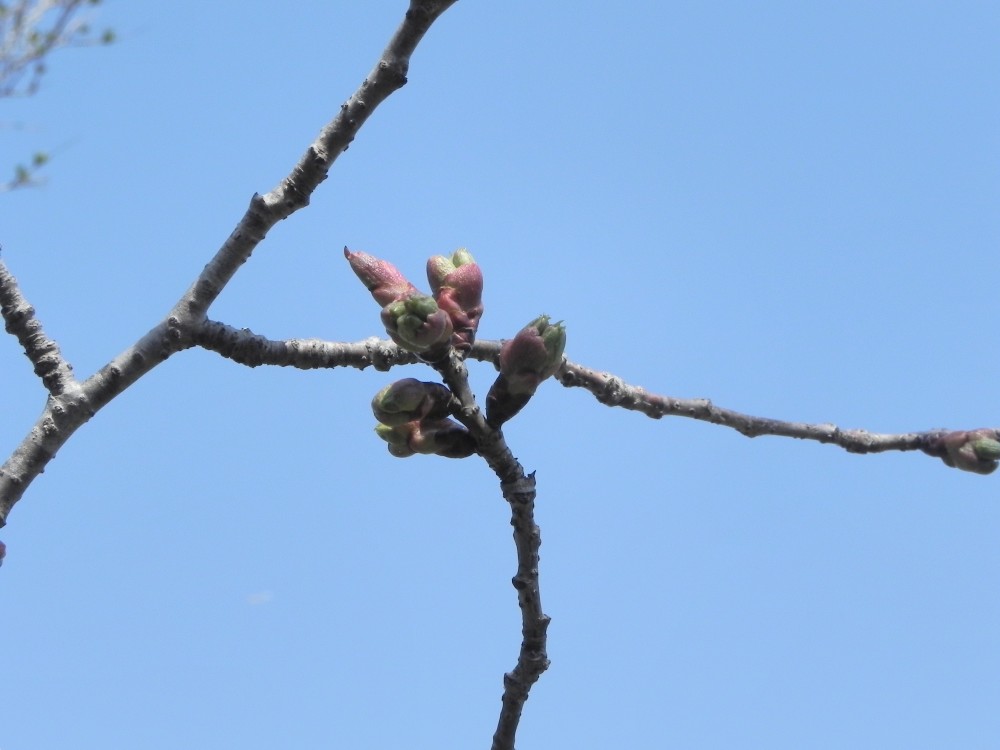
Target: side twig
20, 321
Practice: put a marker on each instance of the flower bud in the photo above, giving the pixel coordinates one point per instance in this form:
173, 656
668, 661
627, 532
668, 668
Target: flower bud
533, 355
398, 438
970, 450
441, 436
416, 323
380, 277
457, 285
410, 399
3, 552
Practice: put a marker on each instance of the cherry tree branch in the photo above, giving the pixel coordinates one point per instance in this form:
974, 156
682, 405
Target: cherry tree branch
609, 389
20, 321
72, 403
519, 491
959, 449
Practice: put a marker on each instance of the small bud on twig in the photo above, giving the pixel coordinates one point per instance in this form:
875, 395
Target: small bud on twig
533, 355
443, 437
457, 285
380, 277
416, 323
970, 450
411, 400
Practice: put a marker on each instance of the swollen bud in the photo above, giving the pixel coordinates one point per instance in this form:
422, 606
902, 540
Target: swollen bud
457, 285
397, 437
380, 277
440, 436
410, 399
970, 450
416, 323
533, 355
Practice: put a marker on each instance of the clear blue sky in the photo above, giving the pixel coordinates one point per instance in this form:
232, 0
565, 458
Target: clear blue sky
790, 208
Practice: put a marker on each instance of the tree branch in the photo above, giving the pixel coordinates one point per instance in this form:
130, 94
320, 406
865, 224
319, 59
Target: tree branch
245, 347
519, 491
20, 321
71, 407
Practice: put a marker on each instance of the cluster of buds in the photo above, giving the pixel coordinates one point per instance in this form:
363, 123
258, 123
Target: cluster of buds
533, 355
970, 450
413, 418
420, 323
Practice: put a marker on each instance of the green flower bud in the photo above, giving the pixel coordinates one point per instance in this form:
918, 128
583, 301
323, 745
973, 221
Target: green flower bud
398, 439
977, 451
410, 399
416, 323
443, 437
986, 449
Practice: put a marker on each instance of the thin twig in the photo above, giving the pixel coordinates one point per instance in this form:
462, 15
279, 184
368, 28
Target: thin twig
20, 321
519, 491
611, 390
607, 388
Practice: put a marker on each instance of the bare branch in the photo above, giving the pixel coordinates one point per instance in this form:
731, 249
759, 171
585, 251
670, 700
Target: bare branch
294, 191
20, 321
613, 391
519, 491
247, 348
65, 413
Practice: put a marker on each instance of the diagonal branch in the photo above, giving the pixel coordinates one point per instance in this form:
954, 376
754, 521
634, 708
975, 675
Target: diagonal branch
294, 191
66, 411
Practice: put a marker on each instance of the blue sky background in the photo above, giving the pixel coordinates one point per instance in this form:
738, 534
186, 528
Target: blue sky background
787, 207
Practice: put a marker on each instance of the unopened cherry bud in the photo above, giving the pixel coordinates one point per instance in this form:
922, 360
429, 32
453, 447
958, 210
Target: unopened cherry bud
457, 285
385, 282
410, 399
416, 323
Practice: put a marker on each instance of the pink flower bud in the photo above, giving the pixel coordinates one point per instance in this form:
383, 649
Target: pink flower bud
380, 277
533, 355
457, 284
